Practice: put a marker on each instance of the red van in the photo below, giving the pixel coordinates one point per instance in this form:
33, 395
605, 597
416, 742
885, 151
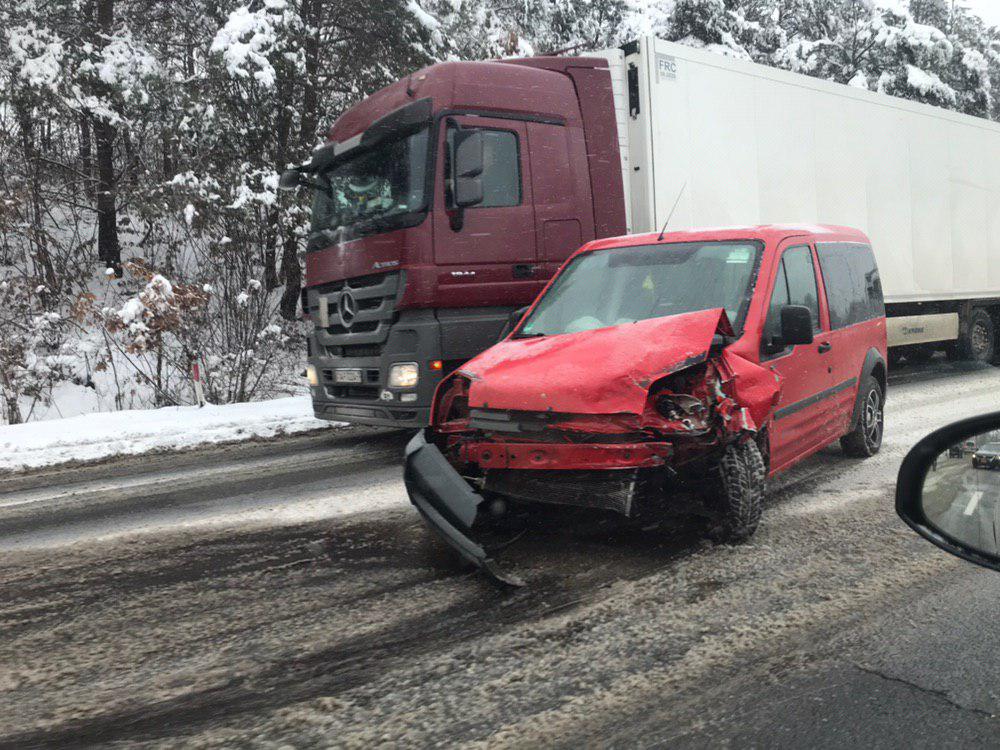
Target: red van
662, 372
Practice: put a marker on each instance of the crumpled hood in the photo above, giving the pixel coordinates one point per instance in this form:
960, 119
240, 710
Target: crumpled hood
604, 371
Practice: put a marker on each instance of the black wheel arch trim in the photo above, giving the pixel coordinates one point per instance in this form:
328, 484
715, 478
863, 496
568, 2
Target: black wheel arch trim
873, 360
910, 479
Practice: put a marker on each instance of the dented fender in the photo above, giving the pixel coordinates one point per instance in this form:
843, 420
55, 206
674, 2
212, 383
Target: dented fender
754, 388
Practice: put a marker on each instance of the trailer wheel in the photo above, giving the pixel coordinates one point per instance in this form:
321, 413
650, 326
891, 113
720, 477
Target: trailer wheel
978, 343
865, 439
738, 493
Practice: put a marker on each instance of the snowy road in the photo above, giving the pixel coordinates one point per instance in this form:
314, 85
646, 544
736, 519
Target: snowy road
285, 595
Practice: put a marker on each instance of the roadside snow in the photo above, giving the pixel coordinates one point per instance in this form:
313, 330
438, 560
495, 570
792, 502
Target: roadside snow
94, 436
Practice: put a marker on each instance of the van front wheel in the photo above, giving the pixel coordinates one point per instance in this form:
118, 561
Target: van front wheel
738, 493
866, 438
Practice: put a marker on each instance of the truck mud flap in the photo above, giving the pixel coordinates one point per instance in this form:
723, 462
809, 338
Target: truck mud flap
448, 505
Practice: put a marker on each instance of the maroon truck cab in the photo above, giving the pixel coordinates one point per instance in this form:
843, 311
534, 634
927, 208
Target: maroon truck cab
663, 374
413, 267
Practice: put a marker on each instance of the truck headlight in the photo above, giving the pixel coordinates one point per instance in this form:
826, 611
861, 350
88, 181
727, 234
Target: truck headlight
312, 376
404, 375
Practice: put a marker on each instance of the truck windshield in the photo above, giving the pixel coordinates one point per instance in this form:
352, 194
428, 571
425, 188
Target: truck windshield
626, 284
370, 191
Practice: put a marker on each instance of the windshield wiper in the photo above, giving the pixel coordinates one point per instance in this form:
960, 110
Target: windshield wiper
528, 335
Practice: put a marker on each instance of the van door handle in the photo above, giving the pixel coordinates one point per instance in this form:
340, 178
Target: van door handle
524, 270
825, 347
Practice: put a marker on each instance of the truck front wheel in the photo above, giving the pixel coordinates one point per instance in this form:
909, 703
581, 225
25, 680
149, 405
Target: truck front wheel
738, 493
978, 342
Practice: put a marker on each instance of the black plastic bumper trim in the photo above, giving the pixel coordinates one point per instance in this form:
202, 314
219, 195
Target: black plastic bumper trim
814, 399
447, 503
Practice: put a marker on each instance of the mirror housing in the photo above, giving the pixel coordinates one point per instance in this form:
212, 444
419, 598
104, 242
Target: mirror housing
513, 321
290, 179
796, 325
468, 159
922, 462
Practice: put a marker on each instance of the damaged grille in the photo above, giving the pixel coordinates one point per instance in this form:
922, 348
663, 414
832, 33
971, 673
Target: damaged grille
495, 420
604, 490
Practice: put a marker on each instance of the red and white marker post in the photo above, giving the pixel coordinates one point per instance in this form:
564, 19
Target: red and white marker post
199, 392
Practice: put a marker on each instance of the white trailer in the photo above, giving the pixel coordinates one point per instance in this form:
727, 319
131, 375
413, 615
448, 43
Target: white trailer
735, 143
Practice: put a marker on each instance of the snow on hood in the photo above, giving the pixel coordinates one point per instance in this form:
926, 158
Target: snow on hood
603, 371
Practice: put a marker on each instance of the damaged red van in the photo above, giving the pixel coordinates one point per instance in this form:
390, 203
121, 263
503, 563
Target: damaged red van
658, 373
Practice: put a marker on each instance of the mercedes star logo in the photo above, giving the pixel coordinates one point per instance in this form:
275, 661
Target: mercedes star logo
348, 307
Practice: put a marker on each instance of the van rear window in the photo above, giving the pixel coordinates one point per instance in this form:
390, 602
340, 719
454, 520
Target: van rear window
853, 286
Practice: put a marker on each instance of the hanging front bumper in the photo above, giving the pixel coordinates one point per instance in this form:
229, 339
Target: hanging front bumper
448, 504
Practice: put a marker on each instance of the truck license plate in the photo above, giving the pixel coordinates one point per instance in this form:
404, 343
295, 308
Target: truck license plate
347, 376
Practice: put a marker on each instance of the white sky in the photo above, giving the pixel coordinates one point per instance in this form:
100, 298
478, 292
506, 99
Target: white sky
988, 10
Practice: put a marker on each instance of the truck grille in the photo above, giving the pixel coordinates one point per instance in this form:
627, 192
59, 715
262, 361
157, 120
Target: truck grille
605, 490
359, 312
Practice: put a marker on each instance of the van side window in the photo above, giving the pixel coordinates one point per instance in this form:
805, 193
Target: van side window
795, 284
853, 286
501, 169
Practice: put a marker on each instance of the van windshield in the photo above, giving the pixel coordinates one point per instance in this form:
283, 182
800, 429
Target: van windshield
627, 284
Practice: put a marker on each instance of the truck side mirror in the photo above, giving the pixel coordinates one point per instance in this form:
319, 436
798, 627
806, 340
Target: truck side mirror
796, 325
468, 159
290, 179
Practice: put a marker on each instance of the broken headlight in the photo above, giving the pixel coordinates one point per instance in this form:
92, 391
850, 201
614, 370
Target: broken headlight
680, 406
452, 402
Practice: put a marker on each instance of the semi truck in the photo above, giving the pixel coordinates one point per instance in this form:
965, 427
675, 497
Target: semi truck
445, 201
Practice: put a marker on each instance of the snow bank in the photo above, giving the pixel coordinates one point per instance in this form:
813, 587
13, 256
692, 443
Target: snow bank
94, 436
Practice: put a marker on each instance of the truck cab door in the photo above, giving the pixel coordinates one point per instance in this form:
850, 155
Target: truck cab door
490, 245
801, 419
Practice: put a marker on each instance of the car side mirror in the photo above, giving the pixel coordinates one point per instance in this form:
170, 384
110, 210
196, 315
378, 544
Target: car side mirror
948, 489
796, 325
468, 159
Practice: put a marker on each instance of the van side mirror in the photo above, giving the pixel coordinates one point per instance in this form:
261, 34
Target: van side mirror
468, 159
948, 489
796, 325
513, 320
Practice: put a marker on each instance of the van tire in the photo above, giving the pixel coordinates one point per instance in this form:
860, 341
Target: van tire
978, 341
738, 493
865, 439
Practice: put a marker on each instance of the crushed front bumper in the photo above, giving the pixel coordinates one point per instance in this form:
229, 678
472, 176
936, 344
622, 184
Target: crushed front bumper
448, 504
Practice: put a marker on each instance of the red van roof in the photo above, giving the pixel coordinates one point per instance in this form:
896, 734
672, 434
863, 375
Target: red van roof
767, 233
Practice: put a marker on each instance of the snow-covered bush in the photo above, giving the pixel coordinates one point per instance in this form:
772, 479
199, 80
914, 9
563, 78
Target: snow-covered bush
34, 352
